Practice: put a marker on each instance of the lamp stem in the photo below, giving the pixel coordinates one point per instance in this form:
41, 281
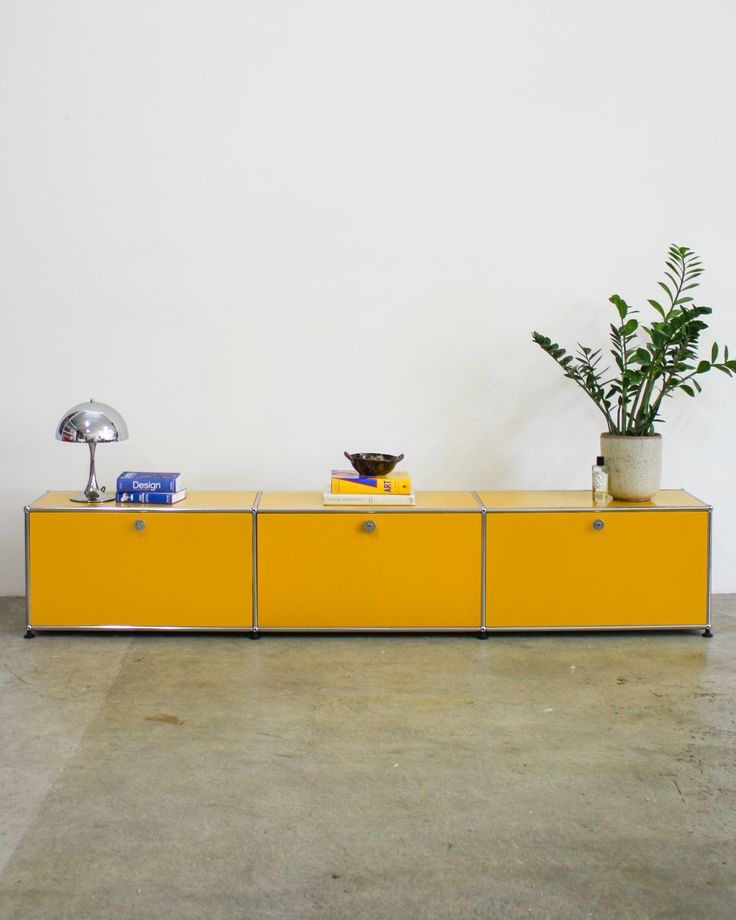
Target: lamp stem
92, 491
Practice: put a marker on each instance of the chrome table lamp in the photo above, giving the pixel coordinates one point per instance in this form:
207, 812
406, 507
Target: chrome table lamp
92, 423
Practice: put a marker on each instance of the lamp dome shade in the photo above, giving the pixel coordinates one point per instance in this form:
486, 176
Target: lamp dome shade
92, 423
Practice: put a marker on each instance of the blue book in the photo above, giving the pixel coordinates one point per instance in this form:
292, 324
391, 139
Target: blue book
150, 498
149, 482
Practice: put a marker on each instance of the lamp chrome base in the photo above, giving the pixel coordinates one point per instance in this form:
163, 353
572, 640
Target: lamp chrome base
93, 493
95, 498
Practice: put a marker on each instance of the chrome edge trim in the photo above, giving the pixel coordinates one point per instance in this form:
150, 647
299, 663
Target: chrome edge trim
120, 627
471, 630
709, 584
603, 509
483, 558
659, 627
254, 560
143, 509
27, 532
483, 544
369, 509
362, 629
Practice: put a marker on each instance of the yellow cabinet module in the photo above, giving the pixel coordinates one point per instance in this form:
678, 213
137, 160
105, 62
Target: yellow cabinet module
183, 566
380, 568
557, 561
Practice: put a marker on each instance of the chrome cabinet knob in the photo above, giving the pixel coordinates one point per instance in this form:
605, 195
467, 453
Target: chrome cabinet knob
597, 524
369, 526
140, 525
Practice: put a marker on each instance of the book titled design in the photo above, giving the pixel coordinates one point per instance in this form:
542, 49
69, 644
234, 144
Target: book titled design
149, 482
367, 498
350, 482
150, 498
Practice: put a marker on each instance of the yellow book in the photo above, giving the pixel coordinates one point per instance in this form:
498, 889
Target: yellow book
348, 482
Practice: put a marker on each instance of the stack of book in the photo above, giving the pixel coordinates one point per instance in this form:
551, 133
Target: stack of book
150, 488
350, 488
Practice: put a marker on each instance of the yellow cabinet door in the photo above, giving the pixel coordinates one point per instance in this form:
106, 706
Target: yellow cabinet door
369, 570
561, 569
180, 569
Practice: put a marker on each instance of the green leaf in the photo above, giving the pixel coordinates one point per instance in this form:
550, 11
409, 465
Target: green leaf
620, 304
702, 367
657, 339
731, 364
714, 353
687, 389
657, 307
630, 327
665, 288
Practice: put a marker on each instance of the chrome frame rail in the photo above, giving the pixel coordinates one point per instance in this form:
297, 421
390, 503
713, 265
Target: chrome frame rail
123, 627
369, 509
652, 627
483, 527
357, 630
709, 587
254, 574
27, 532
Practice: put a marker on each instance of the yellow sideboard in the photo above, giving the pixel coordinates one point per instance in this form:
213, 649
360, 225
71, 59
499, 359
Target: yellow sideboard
478, 562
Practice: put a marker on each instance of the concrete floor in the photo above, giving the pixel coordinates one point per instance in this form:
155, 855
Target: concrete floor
552, 776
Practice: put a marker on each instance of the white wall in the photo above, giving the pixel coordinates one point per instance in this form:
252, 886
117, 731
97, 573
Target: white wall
270, 231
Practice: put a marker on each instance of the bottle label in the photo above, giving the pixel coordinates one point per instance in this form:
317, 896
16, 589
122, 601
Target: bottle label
599, 481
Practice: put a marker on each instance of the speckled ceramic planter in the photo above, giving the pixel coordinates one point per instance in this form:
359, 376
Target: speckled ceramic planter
634, 465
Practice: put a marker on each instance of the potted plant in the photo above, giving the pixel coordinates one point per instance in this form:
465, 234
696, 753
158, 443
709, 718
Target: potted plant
652, 362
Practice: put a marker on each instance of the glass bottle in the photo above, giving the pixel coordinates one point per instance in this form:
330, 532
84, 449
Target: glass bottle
600, 482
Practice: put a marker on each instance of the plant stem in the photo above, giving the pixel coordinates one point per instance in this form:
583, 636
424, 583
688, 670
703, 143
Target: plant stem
666, 388
606, 414
622, 401
647, 386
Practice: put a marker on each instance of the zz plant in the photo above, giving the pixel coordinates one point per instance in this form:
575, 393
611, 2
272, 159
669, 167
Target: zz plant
652, 361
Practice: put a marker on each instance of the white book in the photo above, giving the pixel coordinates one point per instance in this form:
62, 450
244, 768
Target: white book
339, 498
